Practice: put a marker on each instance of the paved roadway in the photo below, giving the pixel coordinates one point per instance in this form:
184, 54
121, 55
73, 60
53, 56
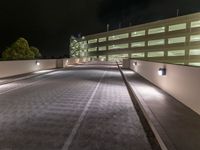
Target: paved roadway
82, 108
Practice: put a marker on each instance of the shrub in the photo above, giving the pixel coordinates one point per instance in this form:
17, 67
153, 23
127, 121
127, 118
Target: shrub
20, 50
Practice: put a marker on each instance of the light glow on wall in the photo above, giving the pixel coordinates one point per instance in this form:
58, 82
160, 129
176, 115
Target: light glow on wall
37, 63
66, 62
77, 61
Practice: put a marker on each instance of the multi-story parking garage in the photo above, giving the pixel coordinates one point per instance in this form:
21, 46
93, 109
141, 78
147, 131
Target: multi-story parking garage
175, 40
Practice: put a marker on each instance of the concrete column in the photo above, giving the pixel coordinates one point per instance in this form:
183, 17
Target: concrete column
187, 43
129, 55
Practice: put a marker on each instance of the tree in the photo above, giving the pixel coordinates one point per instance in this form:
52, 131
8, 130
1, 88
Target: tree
36, 51
20, 50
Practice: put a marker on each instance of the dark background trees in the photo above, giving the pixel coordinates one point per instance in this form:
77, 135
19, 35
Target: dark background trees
20, 50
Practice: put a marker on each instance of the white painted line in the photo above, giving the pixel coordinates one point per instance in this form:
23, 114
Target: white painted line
81, 118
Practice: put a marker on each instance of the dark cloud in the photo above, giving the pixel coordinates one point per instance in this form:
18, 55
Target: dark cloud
48, 24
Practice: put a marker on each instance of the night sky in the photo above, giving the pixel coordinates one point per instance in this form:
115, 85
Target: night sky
48, 24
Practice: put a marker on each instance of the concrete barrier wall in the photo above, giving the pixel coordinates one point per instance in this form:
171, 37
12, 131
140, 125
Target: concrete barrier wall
73, 61
11, 68
182, 82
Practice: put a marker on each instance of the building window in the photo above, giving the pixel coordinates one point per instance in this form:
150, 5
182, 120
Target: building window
156, 30
176, 53
137, 55
102, 48
138, 44
156, 54
195, 24
156, 42
138, 33
194, 63
119, 46
176, 40
117, 57
177, 27
92, 41
92, 49
195, 38
118, 37
103, 39
194, 52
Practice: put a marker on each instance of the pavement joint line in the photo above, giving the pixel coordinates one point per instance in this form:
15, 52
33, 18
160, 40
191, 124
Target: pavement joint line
74, 131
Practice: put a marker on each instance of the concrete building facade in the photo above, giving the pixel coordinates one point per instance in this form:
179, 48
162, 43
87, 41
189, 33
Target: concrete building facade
175, 40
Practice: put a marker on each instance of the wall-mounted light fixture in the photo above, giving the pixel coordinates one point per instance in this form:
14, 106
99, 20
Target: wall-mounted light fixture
135, 63
37, 63
162, 71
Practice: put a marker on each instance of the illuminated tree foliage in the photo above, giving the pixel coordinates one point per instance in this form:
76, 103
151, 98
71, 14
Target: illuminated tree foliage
36, 51
20, 50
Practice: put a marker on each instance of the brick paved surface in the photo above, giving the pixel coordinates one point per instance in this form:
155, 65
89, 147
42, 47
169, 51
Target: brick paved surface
82, 108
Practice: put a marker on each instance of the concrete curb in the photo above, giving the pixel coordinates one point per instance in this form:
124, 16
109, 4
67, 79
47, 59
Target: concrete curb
28, 76
146, 116
35, 75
